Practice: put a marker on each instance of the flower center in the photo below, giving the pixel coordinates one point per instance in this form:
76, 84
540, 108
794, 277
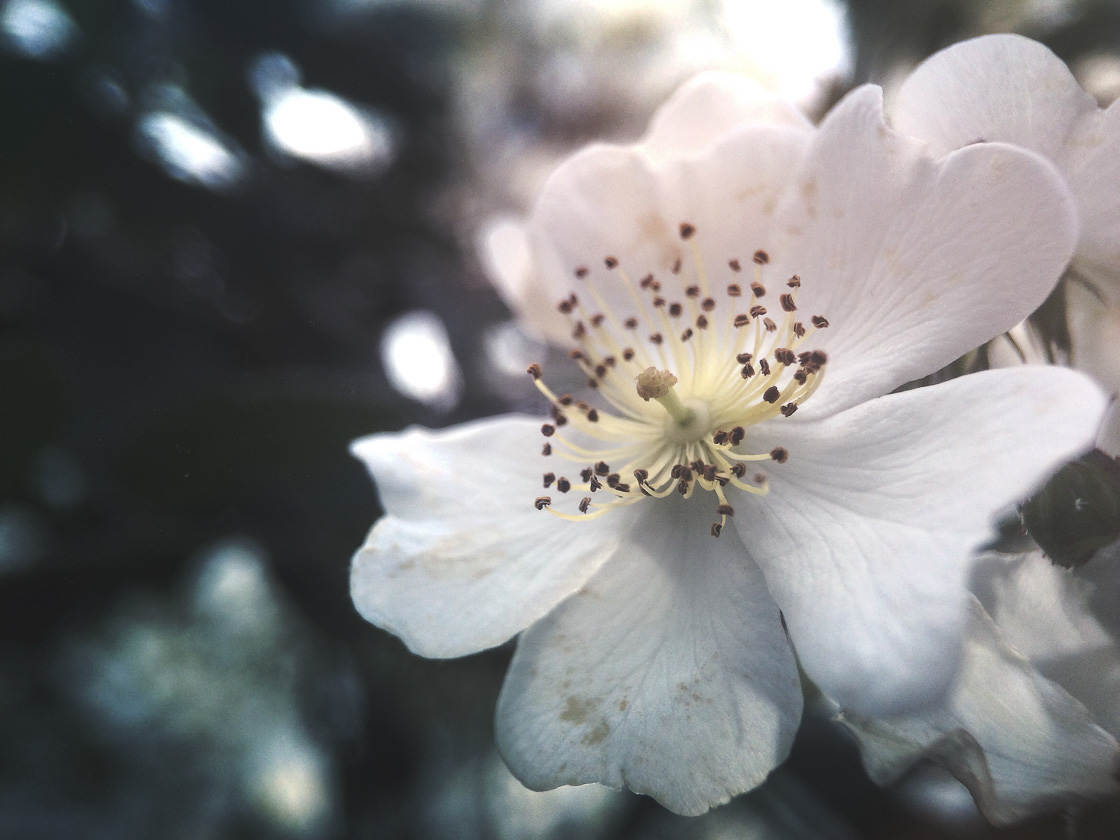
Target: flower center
683, 380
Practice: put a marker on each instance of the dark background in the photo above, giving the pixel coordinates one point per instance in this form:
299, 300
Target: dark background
183, 363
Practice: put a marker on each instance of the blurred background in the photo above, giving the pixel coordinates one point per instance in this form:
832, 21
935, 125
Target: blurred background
237, 235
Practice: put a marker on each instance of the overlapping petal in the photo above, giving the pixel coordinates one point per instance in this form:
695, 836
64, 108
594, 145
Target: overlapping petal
1017, 740
866, 535
668, 673
462, 561
1012, 89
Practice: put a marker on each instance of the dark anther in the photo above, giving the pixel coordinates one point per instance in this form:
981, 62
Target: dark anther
548, 430
600, 370
779, 454
592, 383
576, 355
546, 449
743, 358
785, 355
597, 319
709, 472
613, 479
535, 370
794, 282
737, 435
747, 372
818, 357
675, 472
734, 264
738, 470
707, 304
764, 366
581, 272
692, 291
760, 478
717, 529
593, 416
682, 486
788, 409
741, 320
628, 353
580, 330
719, 438
798, 329
560, 419
646, 281
659, 301
758, 310
610, 262
701, 322
758, 289
725, 510
675, 309
641, 475
622, 488
687, 230
564, 399
549, 478
819, 321
630, 323
656, 338
676, 266
602, 468
594, 483
687, 334
584, 504
761, 257
769, 325
565, 306
734, 290
585, 474
541, 502
787, 303
772, 394
563, 485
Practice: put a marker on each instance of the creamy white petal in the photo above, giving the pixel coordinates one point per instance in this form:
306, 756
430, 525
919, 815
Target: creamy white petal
1015, 90
708, 106
1043, 612
668, 673
1094, 328
462, 560
914, 261
866, 535
1018, 741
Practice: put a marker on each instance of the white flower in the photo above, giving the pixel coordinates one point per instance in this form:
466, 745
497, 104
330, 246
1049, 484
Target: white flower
1011, 89
1032, 718
654, 656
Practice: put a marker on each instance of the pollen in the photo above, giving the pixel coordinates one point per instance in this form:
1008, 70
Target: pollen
677, 409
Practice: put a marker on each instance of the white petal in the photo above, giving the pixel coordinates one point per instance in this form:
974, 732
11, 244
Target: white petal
996, 87
710, 105
462, 560
668, 673
1043, 612
866, 535
1011, 89
1018, 741
914, 261
1094, 328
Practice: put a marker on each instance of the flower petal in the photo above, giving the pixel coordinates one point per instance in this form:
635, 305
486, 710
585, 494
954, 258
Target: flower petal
668, 673
1015, 90
867, 532
1043, 612
914, 261
710, 105
462, 561
1018, 741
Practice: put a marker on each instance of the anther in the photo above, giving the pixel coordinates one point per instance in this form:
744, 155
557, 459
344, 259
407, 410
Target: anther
717, 529
692, 291
747, 371
769, 325
581, 272
719, 438
602, 468
734, 290
819, 321
534, 370
743, 358
707, 304
565, 306
580, 330
613, 480
597, 319
593, 416
702, 322
764, 366
585, 474
546, 449
725, 510
758, 289
772, 394
758, 310
741, 320
656, 338
787, 303
548, 430
659, 301
737, 435
682, 486
564, 399
541, 502
646, 281
622, 487
687, 230
761, 257
784, 355
610, 262
798, 329
734, 265
576, 355
676, 269
709, 472
584, 504
561, 420
549, 478
738, 470
563, 485
594, 484
600, 370
794, 282
779, 454
687, 334
641, 475
628, 353
788, 409
630, 323
675, 309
